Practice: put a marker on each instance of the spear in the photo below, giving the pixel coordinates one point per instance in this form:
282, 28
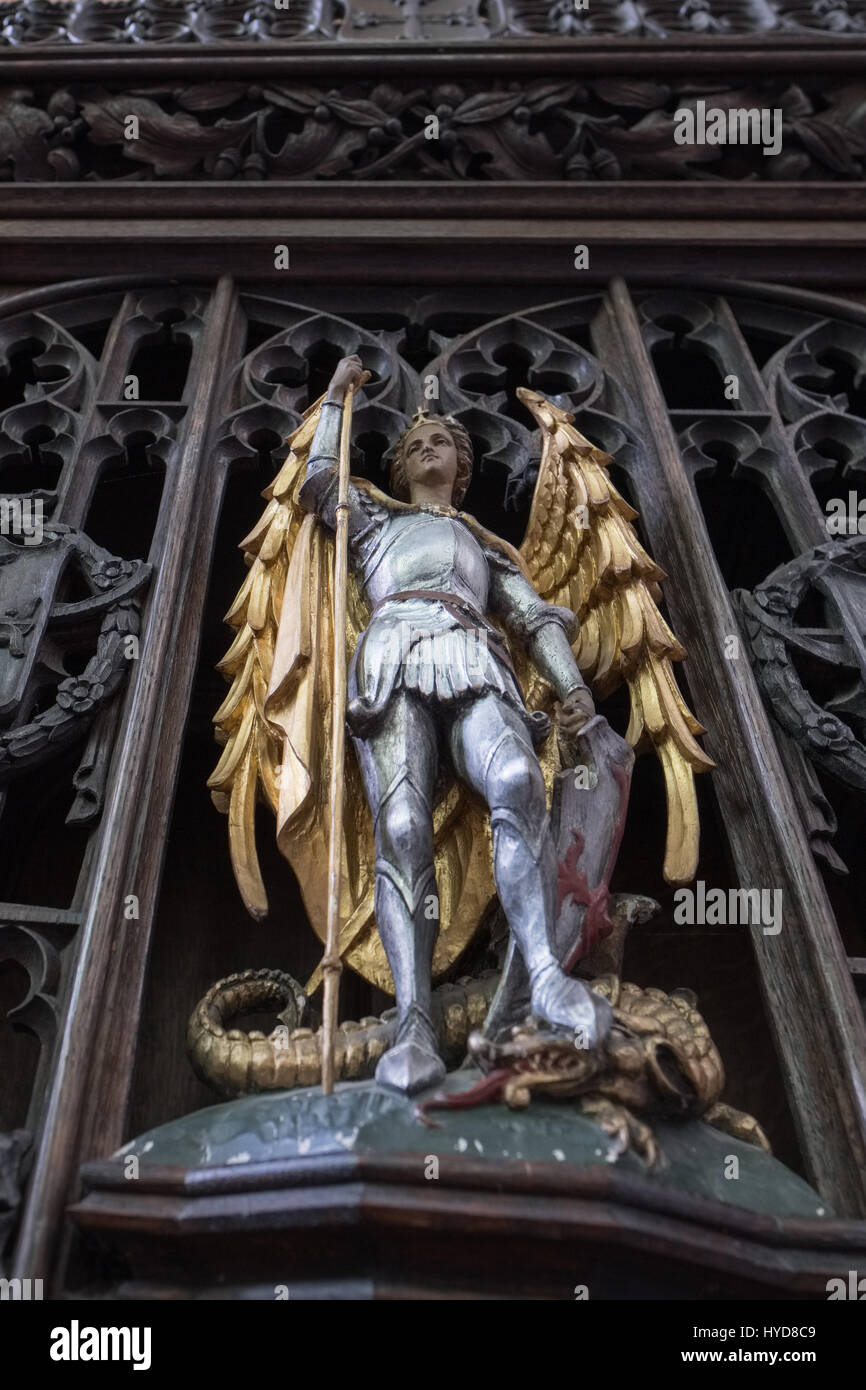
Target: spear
332, 965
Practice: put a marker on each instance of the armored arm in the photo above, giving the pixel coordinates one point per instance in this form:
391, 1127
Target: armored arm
318, 492
544, 629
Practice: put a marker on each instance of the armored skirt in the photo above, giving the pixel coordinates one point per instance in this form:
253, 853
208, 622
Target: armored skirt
440, 648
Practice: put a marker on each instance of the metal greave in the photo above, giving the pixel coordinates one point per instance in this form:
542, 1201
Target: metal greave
492, 752
406, 900
399, 764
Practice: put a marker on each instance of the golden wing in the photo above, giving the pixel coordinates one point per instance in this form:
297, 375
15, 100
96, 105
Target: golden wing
581, 551
251, 767
275, 724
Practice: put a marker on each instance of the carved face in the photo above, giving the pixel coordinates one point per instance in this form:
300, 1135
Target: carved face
430, 456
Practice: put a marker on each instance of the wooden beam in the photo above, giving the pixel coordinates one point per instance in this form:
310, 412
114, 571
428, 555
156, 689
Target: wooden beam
811, 1003
95, 1051
548, 200
684, 55
326, 250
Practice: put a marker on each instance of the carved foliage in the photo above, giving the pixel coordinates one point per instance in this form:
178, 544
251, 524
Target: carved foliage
656, 19
613, 129
67, 606
218, 21
26, 628
159, 21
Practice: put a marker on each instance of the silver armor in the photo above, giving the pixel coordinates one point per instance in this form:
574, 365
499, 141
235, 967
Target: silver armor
431, 679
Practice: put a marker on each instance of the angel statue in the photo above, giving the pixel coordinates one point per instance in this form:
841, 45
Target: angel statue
460, 649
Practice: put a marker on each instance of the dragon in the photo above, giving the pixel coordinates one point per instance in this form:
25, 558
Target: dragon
659, 1058
234, 1062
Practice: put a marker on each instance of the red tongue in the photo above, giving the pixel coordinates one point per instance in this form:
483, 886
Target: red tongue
488, 1088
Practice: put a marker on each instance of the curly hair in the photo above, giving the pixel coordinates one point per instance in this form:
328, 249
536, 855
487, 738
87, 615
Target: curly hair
399, 479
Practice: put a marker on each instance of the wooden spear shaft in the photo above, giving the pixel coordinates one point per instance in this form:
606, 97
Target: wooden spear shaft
332, 965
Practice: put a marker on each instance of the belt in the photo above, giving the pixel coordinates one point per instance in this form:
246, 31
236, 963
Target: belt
468, 617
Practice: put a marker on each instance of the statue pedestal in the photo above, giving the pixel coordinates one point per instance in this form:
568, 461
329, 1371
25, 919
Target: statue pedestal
299, 1195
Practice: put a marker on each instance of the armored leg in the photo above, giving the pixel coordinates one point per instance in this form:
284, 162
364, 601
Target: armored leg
399, 764
492, 752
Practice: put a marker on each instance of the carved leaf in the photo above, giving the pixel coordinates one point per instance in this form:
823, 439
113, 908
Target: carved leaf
172, 145
511, 152
650, 147
299, 99
849, 107
646, 96
795, 103
340, 160
831, 144
318, 150
210, 96
392, 99
23, 133
539, 96
356, 113
487, 106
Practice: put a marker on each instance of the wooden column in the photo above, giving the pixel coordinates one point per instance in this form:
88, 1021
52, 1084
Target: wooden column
811, 1002
95, 1053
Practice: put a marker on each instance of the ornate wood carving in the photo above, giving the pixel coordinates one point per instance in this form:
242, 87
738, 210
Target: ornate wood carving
546, 129
125, 856
32, 621
256, 360
214, 21
770, 624
160, 21
38, 941
13, 1154
77, 432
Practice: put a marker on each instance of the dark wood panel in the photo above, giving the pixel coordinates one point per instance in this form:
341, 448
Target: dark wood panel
541, 1232
586, 56
818, 1025
801, 253
88, 1094
572, 202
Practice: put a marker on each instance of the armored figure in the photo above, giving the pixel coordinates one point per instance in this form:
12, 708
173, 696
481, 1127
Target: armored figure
459, 648
431, 680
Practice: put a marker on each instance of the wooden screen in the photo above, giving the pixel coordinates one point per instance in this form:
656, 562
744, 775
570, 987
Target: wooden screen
145, 420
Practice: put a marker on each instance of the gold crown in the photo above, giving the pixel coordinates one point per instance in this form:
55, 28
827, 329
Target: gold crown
421, 417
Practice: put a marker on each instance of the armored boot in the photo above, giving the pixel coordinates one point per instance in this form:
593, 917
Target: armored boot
524, 864
407, 914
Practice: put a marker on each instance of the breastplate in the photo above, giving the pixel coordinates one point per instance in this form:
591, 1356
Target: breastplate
423, 551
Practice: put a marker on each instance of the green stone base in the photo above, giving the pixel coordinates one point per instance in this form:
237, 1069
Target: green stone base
361, 1118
